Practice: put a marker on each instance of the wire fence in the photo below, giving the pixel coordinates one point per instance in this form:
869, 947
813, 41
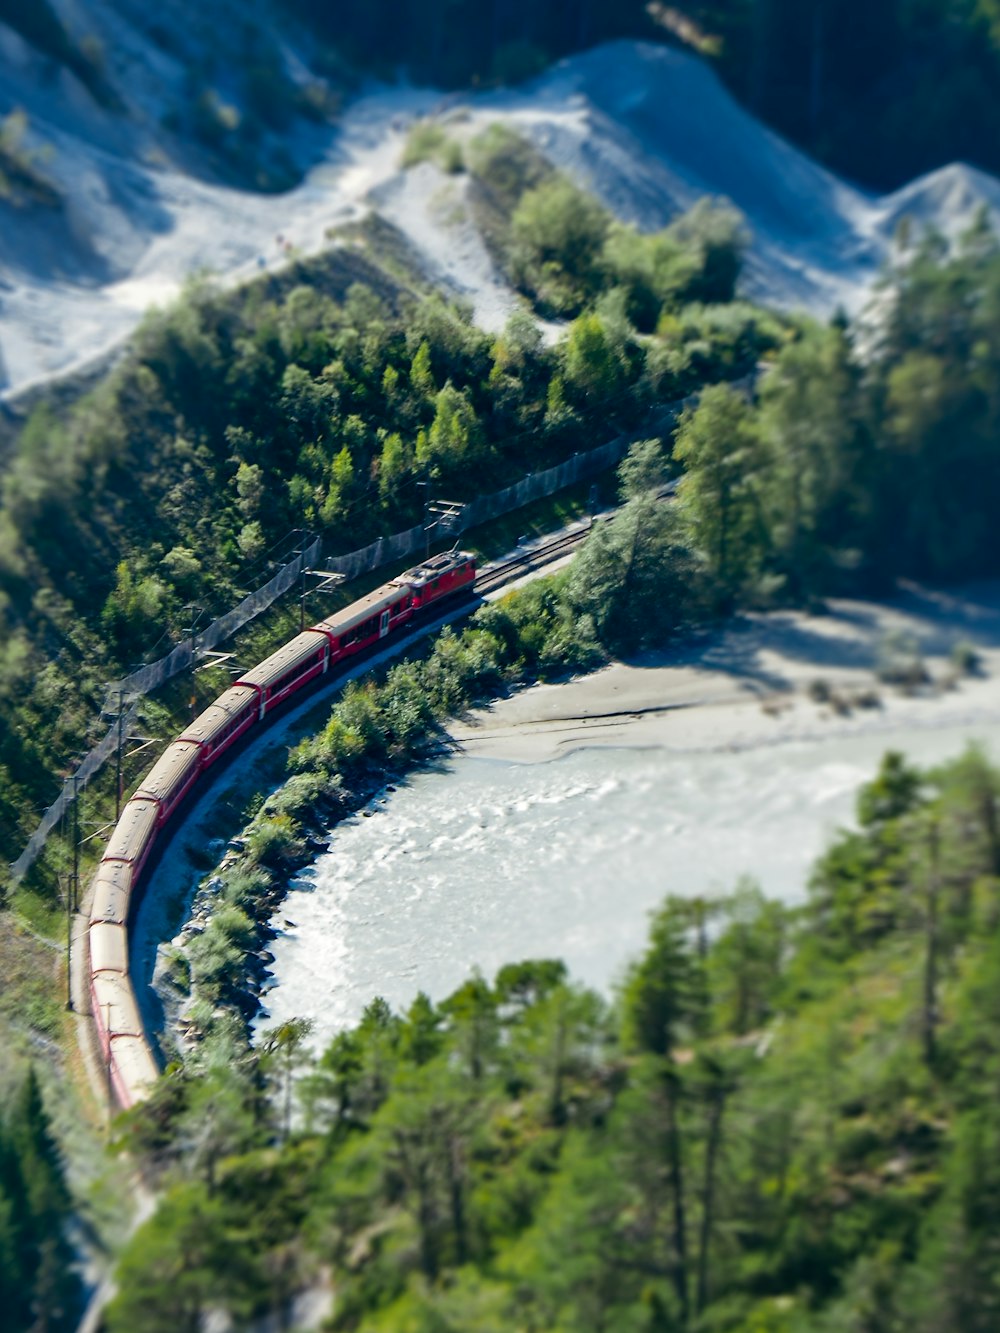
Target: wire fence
534, 486
150, 677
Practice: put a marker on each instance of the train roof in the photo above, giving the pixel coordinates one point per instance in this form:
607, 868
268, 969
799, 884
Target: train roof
136, 1070
372, 605
108, 947
219, 714
114, 996
170, 771
287, 658
112, 886
133, 831
420, 575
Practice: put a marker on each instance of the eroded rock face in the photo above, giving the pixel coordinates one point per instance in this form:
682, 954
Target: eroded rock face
162, 177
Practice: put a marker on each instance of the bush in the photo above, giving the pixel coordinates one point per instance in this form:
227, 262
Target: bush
506, 164
272, 839
428, 142
966, 659
217, 956
556, 236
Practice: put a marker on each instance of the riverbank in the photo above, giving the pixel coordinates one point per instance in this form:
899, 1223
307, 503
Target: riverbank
768, 678
490, 834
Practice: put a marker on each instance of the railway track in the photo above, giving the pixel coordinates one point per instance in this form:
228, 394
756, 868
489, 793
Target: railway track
123, 1051
531, 558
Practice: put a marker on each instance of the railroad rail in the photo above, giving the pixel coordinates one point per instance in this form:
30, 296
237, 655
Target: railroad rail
529, 559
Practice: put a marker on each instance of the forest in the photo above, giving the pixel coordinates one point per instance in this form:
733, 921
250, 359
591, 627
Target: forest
881, 90
783, 1120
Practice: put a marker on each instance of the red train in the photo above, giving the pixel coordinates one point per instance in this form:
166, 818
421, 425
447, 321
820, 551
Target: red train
247, 703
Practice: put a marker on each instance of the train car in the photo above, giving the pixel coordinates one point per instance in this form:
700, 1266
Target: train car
131, 1068
366, 621
116, 1012
170, 778
112, 893
223, 722
134, 835
108, 948
292, 666
440, 576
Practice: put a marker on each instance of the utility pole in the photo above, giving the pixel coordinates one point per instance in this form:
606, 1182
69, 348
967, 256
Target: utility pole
446, 514
191, 631
328, 580
69, 946
111, 1091
76, 842
424, 486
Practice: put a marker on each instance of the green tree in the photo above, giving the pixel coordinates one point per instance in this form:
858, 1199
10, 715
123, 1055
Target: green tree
556, 236
893, 792
421, 374
717, 234
635, 578
472, 1015
718, 494
135, 611
592, 368
395, 463
642, 469
341, 484
455, 437
177, 1268
250, 489
814, 490
746, 959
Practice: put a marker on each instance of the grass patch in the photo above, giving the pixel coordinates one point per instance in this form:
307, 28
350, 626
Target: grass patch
40, 915
500, 535
428, 142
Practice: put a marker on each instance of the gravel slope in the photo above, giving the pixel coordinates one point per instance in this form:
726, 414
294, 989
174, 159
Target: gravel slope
647, 128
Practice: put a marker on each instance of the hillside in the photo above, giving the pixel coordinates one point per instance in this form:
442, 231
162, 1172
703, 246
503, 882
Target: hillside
147, 190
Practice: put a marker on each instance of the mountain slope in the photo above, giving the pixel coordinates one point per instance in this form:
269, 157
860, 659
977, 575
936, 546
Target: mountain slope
647, 128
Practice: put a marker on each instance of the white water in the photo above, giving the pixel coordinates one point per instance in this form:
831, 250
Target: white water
491, 862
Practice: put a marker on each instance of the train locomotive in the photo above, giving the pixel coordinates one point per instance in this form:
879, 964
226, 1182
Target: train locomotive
247, 703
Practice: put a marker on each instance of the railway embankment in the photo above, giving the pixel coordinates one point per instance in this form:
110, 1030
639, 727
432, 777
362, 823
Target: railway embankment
379, 729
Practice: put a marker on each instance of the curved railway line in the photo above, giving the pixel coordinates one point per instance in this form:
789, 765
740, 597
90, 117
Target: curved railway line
128, 1063
530, 559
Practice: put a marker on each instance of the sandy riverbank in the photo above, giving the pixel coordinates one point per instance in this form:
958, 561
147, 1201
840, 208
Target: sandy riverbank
754, 683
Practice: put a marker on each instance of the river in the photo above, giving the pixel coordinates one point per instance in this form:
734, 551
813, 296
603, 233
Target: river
488, 861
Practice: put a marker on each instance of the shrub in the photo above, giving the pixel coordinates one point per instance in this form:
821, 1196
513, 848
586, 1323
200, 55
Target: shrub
556, 236
506, 164
966, 659
428, 142
272, 839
